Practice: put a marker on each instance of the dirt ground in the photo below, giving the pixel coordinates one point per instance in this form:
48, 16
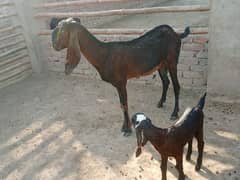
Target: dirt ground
58, 127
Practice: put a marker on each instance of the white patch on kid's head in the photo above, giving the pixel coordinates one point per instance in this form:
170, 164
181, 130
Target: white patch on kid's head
139, 119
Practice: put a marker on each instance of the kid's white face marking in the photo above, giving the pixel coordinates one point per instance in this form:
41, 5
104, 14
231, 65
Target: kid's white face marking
139, 119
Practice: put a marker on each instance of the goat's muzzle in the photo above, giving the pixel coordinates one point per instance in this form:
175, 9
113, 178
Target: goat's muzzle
55, 39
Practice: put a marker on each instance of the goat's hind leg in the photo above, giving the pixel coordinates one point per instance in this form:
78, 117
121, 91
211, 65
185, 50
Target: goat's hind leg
189, 151
164, 167
200, 144
165, 83
179, 167
176, 87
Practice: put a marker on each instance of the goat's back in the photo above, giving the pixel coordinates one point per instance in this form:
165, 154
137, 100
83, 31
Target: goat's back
159, 35
189, 126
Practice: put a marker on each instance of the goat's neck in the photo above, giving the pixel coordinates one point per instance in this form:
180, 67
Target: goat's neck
155, 135
94, 50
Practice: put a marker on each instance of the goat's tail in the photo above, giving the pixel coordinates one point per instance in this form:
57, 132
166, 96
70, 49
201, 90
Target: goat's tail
201, 102
185, 33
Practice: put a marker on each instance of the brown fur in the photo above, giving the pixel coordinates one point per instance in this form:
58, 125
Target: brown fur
171, 141
117, 62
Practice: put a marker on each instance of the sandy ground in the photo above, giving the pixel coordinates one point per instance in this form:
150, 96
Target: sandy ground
59, 127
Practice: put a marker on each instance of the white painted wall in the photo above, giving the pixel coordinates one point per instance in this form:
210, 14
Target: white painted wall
224, 48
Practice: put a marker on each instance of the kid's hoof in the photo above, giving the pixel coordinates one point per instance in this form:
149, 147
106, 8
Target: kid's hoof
197, 168
138, 152
188, 158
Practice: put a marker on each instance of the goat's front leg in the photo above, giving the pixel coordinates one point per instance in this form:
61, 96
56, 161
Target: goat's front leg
164, 167
122, 92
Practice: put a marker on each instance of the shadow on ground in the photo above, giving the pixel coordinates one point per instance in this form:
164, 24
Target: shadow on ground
59, 127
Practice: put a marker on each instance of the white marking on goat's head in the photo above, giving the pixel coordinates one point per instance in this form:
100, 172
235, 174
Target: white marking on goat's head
139, 119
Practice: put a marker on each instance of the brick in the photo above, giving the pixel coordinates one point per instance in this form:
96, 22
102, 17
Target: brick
180, 74
180, 60
187, 40
192, 47
202, 54
187, 53
200, 40
199, 82
183, 67
197, 68
185, 82
190, 61
203, 61
190, 74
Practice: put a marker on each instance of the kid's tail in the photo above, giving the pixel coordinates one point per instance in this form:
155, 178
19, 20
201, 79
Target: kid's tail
201, 102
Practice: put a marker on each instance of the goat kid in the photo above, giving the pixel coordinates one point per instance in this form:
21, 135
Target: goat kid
116, 62
171, 141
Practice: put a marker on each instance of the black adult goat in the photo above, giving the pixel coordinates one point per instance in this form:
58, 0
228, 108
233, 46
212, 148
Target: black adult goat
171, 141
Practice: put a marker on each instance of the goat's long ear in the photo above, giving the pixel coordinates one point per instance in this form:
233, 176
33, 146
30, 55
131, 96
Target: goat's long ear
73, 49
139, 137
139, 141
73, 52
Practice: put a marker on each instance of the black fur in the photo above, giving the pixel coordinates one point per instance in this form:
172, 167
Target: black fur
185, 33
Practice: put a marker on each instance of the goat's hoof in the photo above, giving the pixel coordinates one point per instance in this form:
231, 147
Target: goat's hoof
188, 158
173, 117
182, 177
138, 152
197, 168
160, 104
127, 132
